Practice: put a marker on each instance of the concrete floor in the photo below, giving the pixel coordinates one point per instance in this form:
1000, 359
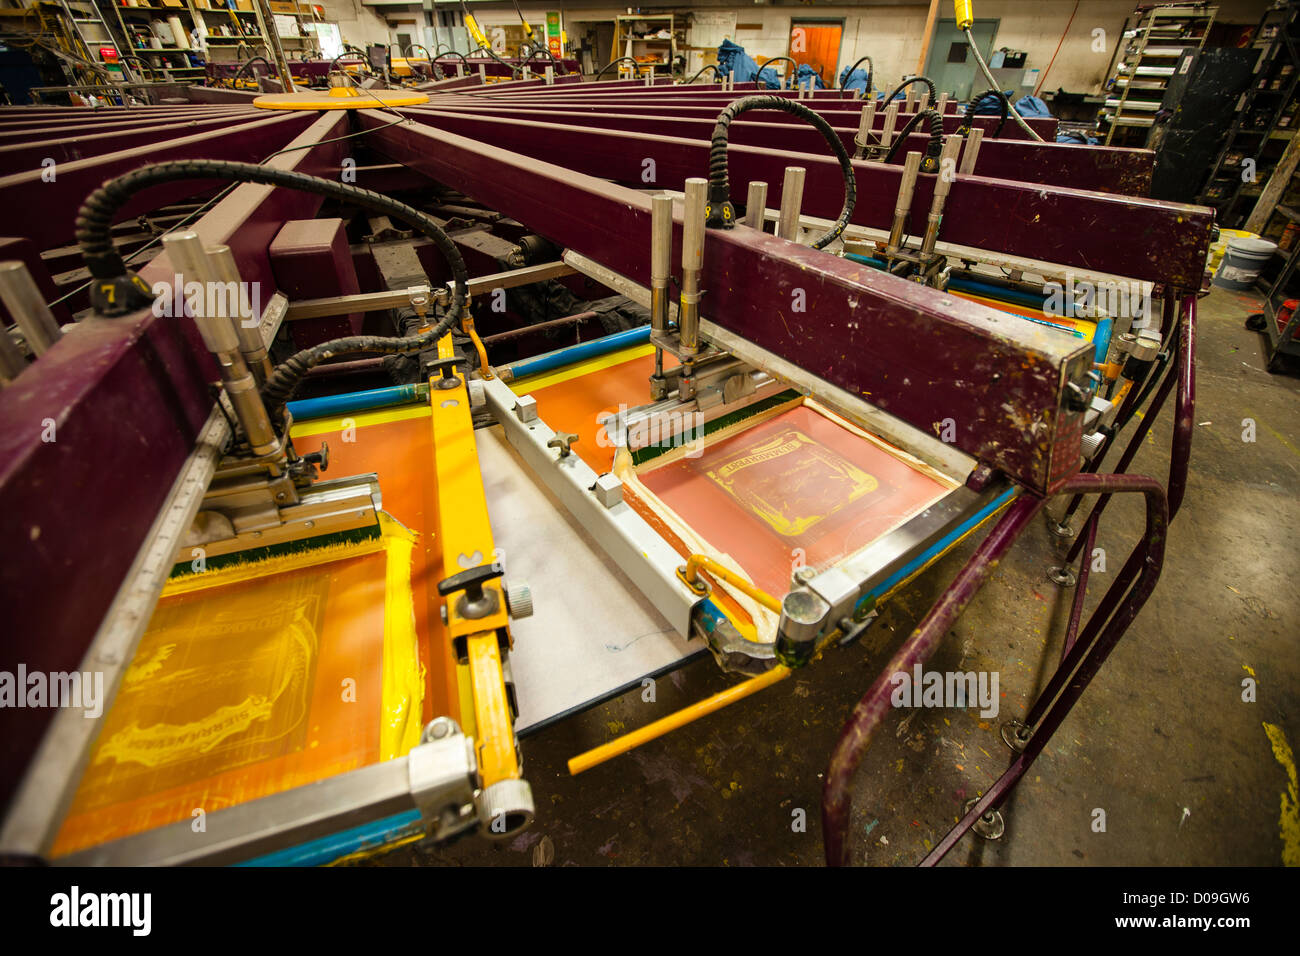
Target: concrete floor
1162, 741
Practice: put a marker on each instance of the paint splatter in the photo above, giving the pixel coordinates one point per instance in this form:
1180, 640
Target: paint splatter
1289, 821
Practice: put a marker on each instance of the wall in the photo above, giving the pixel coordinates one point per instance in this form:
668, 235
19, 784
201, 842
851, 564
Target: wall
888, 31
359, 24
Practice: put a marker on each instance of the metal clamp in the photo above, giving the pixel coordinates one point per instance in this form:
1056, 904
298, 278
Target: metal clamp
564, 442
443, 774
476, 602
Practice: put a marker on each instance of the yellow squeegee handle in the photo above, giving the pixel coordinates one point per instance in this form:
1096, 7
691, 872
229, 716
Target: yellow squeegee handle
681, 718
686, 715
964, 13
690, 574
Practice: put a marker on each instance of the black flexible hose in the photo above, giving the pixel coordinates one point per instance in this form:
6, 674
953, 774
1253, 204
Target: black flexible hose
720, 212
407, 52
930, 164
708, 66
636, 65
515, 71
95, 222
435, 71
934, 97
794, 68
549, 55
871, 69
463, 58
359, 53
335, 67
247, 63
977, 100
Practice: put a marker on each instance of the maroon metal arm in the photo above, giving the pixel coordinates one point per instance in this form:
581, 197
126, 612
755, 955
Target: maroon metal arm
1182, 372
1081, 662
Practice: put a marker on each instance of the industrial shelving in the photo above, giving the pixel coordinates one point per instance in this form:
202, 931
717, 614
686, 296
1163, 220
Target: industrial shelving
631, 39
1266, 117
1154, 45
89, 27
225, 28
165, 60
1283, 339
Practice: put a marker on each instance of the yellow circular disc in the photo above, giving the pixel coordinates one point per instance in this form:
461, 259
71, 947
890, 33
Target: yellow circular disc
340, 98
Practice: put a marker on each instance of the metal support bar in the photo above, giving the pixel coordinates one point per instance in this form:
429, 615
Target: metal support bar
911, 167
186, 252
12, 361
871, 710
1181, 372
1080, 587
866, 126
397, 298
22, 297
1108, 623
271, 36
791, 203
891, 117
688, 315
1105, 627
627, 538
247, 331
971, 151
942, 186
756, 205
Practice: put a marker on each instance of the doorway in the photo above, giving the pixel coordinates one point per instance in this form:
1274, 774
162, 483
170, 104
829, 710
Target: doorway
816, 43
951, 65
591, 43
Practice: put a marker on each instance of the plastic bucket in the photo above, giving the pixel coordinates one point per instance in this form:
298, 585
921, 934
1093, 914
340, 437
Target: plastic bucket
1217, 249
1243, 262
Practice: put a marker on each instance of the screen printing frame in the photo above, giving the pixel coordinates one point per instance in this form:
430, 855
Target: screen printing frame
652, 564
1154, 237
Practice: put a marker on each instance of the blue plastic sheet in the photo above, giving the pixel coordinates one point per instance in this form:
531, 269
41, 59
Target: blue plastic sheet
858, 81
732, 58
1032, 106
806, 71
990, 105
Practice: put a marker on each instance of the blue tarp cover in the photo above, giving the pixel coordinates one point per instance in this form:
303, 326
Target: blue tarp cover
806, 71
1032, 106
733, 58
858, 81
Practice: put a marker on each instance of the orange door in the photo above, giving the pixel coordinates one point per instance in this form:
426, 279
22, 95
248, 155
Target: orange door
818, 45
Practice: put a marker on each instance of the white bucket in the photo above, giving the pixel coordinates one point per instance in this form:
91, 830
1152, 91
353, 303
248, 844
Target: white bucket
1243, 262
1226, 236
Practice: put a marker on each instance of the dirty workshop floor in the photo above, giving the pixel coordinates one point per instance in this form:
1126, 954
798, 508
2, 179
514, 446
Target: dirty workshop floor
1184, 770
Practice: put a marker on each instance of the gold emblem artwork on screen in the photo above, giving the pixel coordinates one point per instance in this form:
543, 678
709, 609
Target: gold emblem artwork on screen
791, 482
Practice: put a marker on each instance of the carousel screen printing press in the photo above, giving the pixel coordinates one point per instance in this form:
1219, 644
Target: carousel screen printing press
321, 616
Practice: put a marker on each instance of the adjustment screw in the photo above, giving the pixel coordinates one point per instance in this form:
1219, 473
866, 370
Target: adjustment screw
519, 599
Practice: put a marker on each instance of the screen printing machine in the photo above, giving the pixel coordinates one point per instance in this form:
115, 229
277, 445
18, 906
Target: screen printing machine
807, 358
